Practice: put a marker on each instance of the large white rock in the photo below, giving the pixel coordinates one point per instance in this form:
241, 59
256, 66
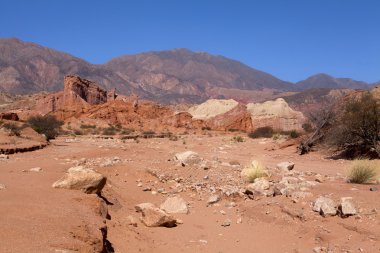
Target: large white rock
79, 178
175, 205
188, 158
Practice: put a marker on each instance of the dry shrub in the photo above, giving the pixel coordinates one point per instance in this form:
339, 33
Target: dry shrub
262, 132
362, 171
254, 170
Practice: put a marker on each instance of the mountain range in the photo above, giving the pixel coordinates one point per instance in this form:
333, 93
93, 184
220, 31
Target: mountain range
178, 75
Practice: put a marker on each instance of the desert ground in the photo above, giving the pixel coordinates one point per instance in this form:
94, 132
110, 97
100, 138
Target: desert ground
35, 217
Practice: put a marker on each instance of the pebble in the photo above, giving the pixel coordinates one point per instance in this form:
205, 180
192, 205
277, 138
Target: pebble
373, 189
36, 169
226, 223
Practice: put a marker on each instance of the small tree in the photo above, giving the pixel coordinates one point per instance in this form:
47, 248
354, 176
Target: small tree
47, 125
357, 131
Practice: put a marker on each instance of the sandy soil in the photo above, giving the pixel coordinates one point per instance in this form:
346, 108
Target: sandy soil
38, 218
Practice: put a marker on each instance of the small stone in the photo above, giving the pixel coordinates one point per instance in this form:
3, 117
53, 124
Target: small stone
226, 223
239, 220
131, 220
2, 187
36, 169
222, 212
213, 199
139, 184
3, 157
205, 177
373, 189
319, 249
147, 189
286, 166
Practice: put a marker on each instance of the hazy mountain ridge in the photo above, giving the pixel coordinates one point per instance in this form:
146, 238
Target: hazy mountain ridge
178, 75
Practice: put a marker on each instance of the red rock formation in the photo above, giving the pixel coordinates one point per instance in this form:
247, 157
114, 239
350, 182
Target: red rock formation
237, 119
78, 96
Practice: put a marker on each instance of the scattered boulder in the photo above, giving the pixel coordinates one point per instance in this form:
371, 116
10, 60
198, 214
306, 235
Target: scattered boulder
175, 205
325, 206
213, 199
79, 178
188, 158
286, 166
153, 216
346, 207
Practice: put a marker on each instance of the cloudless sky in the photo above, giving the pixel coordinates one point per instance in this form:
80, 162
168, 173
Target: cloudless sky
291, 39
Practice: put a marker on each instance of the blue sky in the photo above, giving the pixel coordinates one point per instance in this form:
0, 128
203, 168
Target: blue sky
291, 39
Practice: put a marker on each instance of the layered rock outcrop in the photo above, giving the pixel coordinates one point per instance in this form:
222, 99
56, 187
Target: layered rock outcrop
78, 96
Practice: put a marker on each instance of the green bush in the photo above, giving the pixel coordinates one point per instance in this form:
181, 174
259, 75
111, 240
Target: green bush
262, 132
362, 171
47, 125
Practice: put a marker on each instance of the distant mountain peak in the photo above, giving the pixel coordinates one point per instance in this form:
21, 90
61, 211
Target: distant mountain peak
322, 80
